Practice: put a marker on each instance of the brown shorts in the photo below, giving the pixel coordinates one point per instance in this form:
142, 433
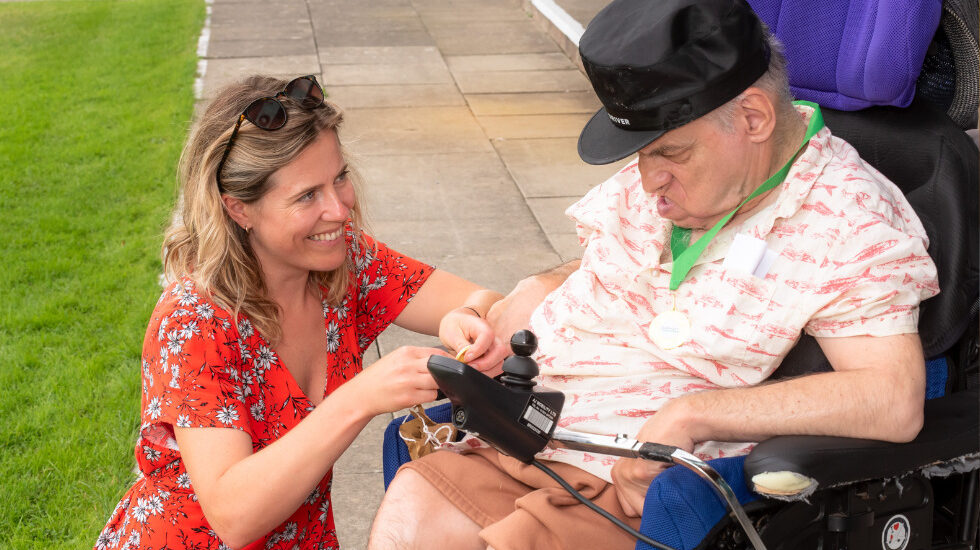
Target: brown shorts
520, 507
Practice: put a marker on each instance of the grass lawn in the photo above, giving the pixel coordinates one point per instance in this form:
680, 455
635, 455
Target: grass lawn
96, 99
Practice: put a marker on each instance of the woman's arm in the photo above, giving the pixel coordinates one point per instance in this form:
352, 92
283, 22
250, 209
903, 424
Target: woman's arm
456, 310
245, 495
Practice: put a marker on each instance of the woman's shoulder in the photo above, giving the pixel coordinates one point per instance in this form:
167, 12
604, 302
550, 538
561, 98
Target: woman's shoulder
183, 304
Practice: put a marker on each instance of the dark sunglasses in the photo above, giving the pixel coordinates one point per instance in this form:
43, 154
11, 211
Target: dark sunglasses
269, 114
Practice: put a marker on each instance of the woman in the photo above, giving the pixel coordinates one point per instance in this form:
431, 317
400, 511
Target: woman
249, 361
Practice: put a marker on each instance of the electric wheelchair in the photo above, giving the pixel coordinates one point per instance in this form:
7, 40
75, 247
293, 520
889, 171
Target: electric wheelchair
859, 494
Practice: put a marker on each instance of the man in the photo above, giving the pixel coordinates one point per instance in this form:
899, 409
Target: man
741, 223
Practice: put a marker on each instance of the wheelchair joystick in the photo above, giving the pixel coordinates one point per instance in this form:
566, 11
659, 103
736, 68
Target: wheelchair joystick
520, 418
520, 369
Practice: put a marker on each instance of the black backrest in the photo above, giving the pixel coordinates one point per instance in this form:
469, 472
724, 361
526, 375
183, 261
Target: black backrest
935, 164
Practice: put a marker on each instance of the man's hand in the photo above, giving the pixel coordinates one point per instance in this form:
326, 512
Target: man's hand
632, 476
513, 313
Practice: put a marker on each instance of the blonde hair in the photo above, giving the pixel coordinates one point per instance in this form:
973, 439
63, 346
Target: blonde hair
203, 243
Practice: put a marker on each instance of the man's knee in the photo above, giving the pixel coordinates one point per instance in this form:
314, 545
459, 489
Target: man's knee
413, 514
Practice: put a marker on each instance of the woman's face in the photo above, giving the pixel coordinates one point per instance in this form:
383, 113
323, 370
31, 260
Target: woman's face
298, 226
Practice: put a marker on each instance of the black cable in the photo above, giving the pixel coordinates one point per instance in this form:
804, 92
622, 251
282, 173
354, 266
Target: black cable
616, 521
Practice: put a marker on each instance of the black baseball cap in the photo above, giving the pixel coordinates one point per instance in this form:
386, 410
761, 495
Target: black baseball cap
659, 64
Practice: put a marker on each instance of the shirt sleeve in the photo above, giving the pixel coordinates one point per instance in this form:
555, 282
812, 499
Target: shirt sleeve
190, 373
877, 276
386, 281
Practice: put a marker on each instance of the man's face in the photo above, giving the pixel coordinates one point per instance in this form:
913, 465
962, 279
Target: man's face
698, 172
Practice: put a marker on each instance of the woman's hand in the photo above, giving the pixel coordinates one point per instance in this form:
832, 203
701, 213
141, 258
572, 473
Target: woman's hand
462, 327
398, 380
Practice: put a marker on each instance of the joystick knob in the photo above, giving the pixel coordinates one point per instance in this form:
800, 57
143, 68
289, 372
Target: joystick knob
520, 369
524, 343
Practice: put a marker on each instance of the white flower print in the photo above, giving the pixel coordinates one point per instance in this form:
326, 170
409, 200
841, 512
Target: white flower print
314, 496
154, 409
333, 337
134, 538
102, 543
151, 454
265, 358
289, 533
227, 415
245, 328
324, 508
204, 311
156, 504
142, 510
162, 330
183, 421
174, 342
186, 299
258, 411
163, 352
242, 392
184, 481
189, 330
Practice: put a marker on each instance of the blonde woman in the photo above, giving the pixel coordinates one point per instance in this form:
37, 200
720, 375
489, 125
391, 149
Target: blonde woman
249, 362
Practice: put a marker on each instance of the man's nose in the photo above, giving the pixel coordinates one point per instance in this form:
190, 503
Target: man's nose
653, 174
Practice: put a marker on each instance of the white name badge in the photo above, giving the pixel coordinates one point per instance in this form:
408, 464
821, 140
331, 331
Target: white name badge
670, 329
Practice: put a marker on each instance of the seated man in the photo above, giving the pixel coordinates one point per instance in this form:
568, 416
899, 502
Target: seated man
742, 222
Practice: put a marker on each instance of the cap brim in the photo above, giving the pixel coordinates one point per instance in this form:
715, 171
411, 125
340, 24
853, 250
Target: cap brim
602, 142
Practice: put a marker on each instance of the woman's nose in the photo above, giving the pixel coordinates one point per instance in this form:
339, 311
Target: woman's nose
333, 208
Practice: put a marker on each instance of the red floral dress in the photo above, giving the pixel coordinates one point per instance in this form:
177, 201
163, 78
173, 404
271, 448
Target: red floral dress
201, 369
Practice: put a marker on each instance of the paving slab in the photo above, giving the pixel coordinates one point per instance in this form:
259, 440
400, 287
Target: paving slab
533, 103
509, 62
533, 126
355, 499
551, 167
385, 73
225, 71
494, 37
403, 95
259, 48
249, 14
425, 130
473, 187
566, 80
373, 55
256, 30
550, 213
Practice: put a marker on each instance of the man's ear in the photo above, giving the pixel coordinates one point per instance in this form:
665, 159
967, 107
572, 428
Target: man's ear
758, 115
236, 209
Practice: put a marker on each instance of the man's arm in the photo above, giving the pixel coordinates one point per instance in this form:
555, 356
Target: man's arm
876, 391
513, 313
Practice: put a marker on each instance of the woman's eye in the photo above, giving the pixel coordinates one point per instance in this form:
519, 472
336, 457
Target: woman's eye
342, 177
308, 196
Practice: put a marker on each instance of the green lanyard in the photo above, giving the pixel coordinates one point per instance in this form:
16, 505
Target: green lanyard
685, 256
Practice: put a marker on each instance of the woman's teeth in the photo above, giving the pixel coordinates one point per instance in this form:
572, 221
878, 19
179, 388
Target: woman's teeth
327, 236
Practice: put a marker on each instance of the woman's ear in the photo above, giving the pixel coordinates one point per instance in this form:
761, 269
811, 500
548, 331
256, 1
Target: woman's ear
236, 209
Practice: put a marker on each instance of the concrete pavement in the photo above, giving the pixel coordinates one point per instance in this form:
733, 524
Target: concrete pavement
461, 115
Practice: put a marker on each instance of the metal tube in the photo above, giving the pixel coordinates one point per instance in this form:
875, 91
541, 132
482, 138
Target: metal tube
631, 448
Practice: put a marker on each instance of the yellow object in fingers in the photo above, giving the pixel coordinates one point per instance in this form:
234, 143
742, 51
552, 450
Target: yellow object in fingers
462, 354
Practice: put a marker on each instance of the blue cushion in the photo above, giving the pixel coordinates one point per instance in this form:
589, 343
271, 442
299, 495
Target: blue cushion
681, 508
852, 54
394, 452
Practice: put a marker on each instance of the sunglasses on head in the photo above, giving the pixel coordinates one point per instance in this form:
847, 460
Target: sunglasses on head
269, 114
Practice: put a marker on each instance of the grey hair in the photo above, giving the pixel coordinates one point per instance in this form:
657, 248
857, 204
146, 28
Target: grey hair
774, 82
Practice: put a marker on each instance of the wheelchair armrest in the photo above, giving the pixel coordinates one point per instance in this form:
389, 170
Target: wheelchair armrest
949, 432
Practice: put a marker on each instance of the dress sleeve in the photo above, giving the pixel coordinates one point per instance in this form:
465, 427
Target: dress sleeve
191, 365
876, 279
386, 281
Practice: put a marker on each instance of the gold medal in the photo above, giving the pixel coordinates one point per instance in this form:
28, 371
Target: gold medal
670, 329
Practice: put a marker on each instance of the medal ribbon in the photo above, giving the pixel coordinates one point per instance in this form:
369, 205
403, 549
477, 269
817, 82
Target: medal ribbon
684, 256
